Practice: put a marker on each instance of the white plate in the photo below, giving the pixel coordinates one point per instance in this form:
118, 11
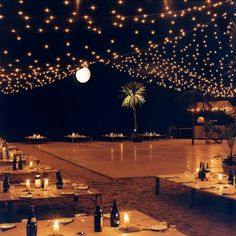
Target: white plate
67, 193
65, 220
7, 226
159, 227
82, 187
26, 196
48, 168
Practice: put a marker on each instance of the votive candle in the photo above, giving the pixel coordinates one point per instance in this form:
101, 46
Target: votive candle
126, 220
56, 228
46, 184
31, 164
27, 185
220, 178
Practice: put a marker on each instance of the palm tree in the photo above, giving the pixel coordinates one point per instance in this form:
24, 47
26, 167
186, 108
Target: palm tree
133, 94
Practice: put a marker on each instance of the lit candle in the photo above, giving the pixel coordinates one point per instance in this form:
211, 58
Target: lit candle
46, 184
56, 228
126, 220
197, 172
220, 178
31, 164
11, 154
27, 185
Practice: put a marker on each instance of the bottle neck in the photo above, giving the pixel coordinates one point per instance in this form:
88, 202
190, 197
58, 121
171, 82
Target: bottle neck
114, 204
32, 215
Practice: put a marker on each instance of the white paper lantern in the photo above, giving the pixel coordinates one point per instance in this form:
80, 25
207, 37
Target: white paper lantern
83, 75
200, 120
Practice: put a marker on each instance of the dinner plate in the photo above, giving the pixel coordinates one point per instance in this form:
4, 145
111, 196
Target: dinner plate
82, 187
48, 168
67, 193
206, 186
26, 196
7, 226
160, 226
65, 220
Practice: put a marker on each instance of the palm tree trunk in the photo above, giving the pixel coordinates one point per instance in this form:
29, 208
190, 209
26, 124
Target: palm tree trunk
193, 123
135, 120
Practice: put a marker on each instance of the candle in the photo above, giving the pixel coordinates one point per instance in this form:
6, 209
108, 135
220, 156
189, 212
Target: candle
220, 178
126, 220
46, 184
27, 185
11, 154
31, 164
56, 228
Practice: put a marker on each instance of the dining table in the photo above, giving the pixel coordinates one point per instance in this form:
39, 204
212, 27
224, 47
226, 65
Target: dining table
17, 176
83, 225
27, 193
216, 184
78, 138
36, 139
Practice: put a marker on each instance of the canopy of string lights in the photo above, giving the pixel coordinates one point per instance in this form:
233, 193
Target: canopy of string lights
179, 44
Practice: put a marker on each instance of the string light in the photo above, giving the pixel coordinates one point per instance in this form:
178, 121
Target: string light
129, 41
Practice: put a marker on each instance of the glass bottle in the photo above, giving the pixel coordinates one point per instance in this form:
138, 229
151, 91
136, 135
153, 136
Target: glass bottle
20, 164
59, 182
31, 226
14, 163
114, 215
230, 177
98, 217
6, 184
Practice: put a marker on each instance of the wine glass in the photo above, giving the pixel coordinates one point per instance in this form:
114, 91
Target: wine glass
11, 191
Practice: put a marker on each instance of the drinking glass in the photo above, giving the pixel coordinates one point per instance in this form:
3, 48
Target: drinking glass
11, 191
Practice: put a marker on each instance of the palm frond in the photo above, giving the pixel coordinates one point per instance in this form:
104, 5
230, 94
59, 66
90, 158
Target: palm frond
133, 94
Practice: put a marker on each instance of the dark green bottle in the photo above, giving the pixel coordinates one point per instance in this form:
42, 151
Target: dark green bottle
31, 226
98, 217
14, 163
59, 182
20, 164
114, 215
231, 177
6, 184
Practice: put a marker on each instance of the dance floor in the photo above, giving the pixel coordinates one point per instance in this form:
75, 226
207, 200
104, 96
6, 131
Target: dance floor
127, 159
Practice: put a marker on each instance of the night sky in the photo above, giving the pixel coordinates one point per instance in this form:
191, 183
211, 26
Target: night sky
93, 108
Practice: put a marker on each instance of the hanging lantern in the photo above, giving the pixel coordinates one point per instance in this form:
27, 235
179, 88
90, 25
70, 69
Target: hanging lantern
200, 120
83, 75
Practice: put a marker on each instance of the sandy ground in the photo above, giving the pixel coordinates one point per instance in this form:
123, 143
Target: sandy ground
211, 215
